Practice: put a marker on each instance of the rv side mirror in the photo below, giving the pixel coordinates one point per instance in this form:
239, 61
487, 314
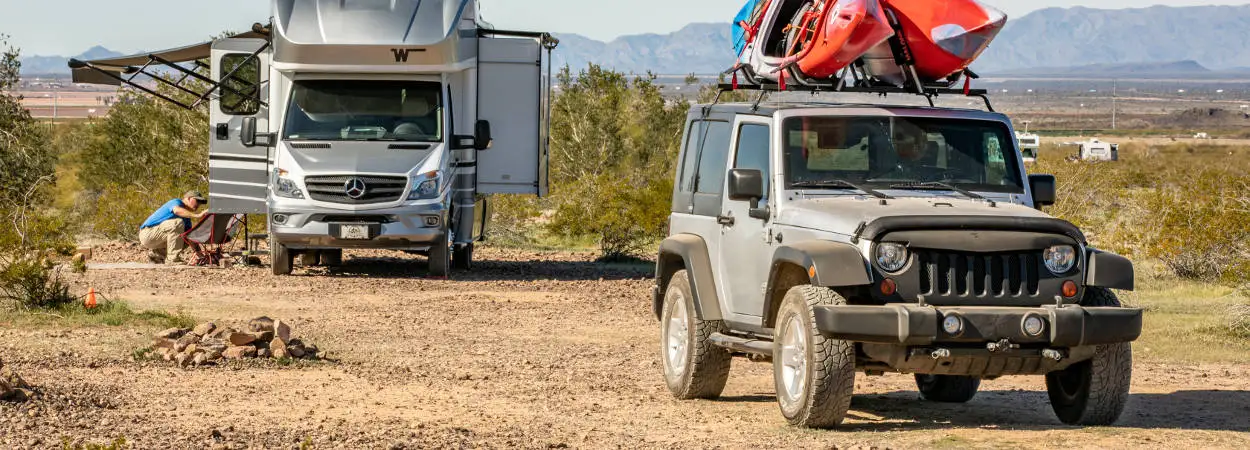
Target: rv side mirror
1043, 188
248, 132
481, 135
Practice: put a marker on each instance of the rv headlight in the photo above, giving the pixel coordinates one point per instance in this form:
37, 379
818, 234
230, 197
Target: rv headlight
1059, 259
427, 186
891, 257
285, 187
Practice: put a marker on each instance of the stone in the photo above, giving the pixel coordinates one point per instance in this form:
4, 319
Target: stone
183, 359
295, 351
239, 352
185, 340
263, 336
168, 354
199, 359
191, 349
204, 328
172, 333
311, 349
222, 333
161, 342
238, 339
263, 352
212, 355
260, 324
5, 388
16, 395
212, 345
14, 380
282, 330
278, 348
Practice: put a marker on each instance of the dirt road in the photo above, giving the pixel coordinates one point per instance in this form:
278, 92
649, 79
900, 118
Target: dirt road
529, 350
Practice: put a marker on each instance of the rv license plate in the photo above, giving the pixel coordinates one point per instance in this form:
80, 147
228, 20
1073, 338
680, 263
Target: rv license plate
354, 232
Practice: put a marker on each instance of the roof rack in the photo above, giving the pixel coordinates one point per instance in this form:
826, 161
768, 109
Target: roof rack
861, 81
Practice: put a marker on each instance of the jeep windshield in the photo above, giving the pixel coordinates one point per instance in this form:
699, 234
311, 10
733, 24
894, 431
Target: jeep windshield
365, 110
902, 153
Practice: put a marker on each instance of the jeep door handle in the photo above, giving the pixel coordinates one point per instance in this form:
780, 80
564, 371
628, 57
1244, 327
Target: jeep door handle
725, 220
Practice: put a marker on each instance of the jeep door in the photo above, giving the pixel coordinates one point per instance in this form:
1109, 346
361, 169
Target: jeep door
745, 251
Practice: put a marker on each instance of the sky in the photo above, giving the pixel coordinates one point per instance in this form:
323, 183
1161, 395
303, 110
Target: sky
69, 27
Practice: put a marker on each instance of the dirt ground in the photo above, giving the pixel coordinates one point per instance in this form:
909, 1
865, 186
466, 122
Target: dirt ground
529, 350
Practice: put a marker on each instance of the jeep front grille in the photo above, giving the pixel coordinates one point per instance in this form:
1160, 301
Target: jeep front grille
949, 274
377, 189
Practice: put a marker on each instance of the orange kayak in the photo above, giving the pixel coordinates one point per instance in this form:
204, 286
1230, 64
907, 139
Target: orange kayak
825, 36
944, 37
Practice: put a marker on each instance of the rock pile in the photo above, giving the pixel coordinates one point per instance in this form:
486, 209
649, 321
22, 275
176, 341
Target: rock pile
208, 343
12, 387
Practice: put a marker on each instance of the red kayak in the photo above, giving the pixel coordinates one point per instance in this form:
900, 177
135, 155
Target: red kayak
825, 36
945, 37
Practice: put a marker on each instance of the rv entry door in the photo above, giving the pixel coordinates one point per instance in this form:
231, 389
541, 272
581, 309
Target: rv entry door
238, 176
513, 94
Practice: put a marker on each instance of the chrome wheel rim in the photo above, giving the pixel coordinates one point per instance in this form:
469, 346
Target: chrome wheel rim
793, 360
677, 335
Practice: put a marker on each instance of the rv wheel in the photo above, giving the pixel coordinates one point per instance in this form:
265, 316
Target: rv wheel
332, 258
282, 258
462, 259
440, 258
309, 258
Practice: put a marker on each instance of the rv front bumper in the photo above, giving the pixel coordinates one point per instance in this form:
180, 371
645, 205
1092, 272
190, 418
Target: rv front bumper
408, 228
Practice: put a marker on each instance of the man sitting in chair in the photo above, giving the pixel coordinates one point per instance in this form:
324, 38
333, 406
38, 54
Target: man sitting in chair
161, 234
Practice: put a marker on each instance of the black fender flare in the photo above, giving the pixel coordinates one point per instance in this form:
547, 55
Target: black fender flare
826, 263
689, 252
1109, 270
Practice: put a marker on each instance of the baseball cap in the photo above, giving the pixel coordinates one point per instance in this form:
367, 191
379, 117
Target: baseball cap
196, 195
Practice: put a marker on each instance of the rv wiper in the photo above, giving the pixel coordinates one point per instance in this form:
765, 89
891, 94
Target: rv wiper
941, 186
838, 183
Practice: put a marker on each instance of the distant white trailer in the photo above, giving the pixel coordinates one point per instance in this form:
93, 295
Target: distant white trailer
1096, 150
1029, 144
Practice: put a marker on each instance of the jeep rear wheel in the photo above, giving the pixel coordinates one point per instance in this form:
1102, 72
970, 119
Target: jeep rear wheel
947, 388
814, 375
1094, 392
693, 367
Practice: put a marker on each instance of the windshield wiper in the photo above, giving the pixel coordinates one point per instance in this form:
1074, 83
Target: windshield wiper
942, 186
838, 183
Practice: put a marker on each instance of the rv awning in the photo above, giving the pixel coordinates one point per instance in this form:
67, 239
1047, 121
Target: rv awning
90, 72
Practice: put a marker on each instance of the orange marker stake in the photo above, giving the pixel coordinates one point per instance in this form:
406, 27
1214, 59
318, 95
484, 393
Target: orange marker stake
90, 304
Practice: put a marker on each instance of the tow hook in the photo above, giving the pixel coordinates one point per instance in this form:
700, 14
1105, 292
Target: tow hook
940, 353
1000, 346
1051, 353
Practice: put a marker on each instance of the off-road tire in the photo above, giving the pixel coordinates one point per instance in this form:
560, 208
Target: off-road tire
1094, 392
829, 374
440, 258
281, 258
707, 366
947, 388
462, 258
332, 258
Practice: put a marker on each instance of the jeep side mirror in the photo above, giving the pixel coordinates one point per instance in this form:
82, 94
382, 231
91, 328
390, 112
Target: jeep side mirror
1043, 188
248, 134
481, 135
748, 184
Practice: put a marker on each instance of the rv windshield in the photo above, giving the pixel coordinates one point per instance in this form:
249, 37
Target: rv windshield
353, 110
900, 153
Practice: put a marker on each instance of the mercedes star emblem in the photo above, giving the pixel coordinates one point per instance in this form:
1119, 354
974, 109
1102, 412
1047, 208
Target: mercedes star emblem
355, 188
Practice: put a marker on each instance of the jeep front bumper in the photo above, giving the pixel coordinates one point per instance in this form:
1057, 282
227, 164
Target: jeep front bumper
915, 325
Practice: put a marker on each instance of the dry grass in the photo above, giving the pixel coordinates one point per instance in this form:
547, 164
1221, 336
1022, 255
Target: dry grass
1189, 321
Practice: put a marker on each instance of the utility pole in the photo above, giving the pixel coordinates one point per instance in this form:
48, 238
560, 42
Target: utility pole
1113, 105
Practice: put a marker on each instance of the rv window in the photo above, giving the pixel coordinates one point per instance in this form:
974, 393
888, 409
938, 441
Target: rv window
355, 110
245, 79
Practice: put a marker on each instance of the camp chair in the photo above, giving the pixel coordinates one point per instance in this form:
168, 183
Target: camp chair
209, 238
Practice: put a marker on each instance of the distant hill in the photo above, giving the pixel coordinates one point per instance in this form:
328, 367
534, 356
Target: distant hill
699, 48
57, 65
1176, 69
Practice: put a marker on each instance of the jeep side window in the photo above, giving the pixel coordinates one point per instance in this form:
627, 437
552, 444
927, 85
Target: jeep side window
752, 152
713, 158
690, 157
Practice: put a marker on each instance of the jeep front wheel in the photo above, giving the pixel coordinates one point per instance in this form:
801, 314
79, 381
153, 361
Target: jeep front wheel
693, 367
947, 388
814, 375
1094, 392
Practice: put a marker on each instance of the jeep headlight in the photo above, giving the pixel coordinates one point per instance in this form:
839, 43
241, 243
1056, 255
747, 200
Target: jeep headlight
285, 187
427, 186
1059, 259
891, 257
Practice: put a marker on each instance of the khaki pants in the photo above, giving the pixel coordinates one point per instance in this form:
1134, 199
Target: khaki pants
164, 241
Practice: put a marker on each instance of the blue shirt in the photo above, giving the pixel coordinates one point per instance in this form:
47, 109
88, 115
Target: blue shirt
166, 212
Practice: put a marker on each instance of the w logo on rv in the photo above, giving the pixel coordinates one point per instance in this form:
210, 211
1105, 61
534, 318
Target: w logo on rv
401, 54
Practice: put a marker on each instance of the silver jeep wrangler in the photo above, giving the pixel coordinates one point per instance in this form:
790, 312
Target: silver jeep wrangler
833, 239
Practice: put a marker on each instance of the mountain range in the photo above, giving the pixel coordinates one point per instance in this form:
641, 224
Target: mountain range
1200, 40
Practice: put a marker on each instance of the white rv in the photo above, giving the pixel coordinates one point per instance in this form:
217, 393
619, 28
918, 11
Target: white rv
1030, 144
365, 124
1096, 150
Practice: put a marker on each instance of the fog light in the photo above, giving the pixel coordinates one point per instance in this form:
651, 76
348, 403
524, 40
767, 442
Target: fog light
280, 219
1069, 289
431, 221
1034, 326
889, 287
953, 325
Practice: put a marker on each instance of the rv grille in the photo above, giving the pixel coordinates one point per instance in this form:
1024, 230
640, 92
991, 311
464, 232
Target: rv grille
979, 275
333, 189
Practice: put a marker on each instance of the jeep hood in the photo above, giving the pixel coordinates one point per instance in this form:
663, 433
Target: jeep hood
843, 214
